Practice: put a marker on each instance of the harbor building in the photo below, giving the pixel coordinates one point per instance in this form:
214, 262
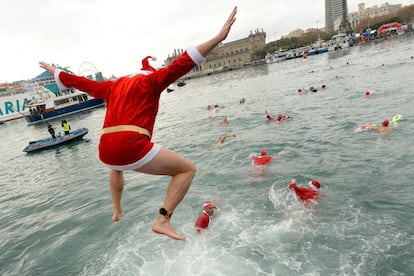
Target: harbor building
375, 11
231, 55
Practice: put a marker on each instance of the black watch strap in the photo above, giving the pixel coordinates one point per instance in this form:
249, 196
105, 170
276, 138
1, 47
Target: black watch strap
165, 213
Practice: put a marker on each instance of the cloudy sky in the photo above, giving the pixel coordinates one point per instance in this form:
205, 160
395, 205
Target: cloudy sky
115, 35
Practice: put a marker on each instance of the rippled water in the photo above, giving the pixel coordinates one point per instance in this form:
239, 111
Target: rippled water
56, 206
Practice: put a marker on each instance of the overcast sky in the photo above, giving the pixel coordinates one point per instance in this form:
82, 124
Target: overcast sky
115, 35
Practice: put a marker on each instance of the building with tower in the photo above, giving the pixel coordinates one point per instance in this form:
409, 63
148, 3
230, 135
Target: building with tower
230, 55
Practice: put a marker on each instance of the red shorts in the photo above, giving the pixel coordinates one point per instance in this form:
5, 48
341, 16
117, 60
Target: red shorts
125, 150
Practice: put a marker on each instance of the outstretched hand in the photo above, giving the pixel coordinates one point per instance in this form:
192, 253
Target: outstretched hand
222, 35
48, 67
206, 47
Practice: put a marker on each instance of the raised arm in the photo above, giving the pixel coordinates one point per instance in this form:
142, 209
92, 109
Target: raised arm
50, 68
206, 47
65, 80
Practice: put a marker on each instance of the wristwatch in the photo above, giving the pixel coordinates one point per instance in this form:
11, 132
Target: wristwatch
165, 213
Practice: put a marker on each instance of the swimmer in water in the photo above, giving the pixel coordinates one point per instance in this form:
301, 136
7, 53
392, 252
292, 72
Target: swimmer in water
280, 117
384, 128
211, 118
222, 138
306, 193
263, 158
367, 94
205, 218
269, 117
225, 121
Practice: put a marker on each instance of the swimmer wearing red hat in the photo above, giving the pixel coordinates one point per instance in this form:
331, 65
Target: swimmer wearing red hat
280, 117
204, 220
263, 158
384, 128
306, 193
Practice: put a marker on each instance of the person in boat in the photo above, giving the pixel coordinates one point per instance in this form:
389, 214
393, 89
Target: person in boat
66, 127
205, 218
131, 107
51, 130
306, 193
384, 128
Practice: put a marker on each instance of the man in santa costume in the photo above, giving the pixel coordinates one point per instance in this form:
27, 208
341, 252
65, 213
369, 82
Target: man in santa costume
131, 109
204, 220
306, 193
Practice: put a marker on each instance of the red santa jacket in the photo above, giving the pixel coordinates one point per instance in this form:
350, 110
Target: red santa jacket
304, 193
202, 221
130, 101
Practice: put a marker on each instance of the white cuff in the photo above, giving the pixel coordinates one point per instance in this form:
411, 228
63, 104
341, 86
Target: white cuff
195, 55
58, 81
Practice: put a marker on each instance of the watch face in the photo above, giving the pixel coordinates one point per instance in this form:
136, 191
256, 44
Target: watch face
163, 211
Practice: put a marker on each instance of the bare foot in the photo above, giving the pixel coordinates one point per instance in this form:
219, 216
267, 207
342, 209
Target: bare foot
117, 215
163, 226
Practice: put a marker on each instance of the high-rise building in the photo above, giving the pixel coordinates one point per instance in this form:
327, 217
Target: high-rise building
334, 9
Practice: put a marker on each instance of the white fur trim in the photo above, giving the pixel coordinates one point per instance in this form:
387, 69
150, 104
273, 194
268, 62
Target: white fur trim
195, 55
313, 187
58, 81
142, 72
153, 58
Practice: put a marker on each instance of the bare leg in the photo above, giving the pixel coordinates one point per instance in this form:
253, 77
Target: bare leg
116, 182
182, 172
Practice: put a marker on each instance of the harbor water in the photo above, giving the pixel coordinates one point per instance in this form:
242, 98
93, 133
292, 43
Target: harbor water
56, 206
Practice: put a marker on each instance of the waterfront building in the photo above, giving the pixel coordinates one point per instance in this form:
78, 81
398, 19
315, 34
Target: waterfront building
229, 55
295, 33
375, 11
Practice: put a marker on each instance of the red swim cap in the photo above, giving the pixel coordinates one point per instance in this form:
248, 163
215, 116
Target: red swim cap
385, 122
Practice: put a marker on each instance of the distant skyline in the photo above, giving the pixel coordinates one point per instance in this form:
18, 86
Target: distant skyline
116, 35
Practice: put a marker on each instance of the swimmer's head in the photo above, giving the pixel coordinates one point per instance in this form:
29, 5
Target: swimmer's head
385, 122
209, 205
315, 185
367, 93
263, 152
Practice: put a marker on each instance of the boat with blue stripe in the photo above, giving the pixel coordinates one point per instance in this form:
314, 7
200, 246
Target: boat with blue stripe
47, 143
50, 102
